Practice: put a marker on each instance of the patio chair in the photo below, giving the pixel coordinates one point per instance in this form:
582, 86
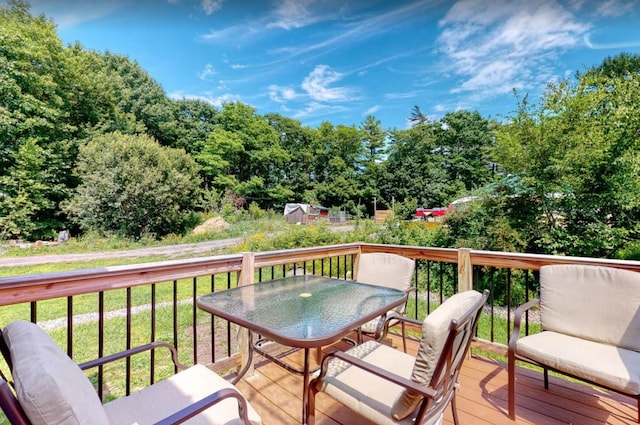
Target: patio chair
50, 389
387, 386
390, 270
589, 328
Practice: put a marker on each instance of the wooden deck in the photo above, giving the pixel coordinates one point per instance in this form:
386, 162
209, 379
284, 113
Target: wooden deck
482, 398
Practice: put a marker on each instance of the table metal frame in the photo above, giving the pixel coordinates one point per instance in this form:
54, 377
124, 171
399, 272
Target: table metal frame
389, 298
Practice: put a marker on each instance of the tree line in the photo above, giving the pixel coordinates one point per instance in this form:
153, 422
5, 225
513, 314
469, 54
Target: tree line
90, 141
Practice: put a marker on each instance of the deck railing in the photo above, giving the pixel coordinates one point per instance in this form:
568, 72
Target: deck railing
95, 312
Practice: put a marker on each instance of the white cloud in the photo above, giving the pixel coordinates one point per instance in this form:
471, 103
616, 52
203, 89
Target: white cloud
371, 110
211, 6
499, 45
281, 94
317, 83
615, 8
67, 13
405, 95
290, 14
316, 110
629, 44
207, 72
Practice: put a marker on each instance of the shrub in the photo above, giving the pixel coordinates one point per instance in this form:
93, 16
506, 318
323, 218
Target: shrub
132, 186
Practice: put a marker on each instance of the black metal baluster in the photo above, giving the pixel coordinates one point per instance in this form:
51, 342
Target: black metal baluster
153, 333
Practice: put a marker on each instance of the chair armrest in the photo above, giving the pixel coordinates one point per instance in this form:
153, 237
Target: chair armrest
375, 370
517, 319
135, 350
10, 405
411, 289
403, 318
203, 404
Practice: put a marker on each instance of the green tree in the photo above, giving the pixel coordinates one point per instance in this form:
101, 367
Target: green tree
463, 143
374, 145
133, 186
297, 176
195, 120
35, 122
142, 105
249, 147
617, 66
413, 170
24, 194
338, 153
577, 154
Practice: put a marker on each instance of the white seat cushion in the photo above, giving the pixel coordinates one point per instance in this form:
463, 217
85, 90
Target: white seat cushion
166, 397
607, 365
435, 331
367, 394
390, 270
50, 387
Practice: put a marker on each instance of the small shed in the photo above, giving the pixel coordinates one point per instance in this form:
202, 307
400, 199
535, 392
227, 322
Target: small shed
304, 213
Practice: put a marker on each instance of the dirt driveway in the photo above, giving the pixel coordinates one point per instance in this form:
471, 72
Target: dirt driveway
169, 250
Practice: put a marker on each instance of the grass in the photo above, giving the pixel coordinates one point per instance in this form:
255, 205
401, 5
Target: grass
93, 242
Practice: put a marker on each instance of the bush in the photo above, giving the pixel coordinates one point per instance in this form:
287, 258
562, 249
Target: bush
132, 186
294, 237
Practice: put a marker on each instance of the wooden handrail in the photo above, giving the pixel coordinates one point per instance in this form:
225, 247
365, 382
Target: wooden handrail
20, 289
38, 287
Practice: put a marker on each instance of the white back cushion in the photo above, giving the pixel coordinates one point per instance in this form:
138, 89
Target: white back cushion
435, 331
391, 270
50, 387
600, 304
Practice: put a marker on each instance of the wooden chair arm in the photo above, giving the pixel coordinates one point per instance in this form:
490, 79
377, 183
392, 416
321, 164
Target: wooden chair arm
203, 404
135, 350
377, 371
517, 319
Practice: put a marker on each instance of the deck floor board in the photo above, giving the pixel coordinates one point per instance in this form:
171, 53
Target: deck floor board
482, 399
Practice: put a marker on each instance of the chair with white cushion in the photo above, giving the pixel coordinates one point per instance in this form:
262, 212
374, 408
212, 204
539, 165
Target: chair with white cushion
390, 387
51, 389
390, 270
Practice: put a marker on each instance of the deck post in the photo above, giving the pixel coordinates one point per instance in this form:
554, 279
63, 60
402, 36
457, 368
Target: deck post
356, 263
465, 270
246, 277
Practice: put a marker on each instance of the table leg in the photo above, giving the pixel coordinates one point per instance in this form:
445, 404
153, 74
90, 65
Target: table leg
249, 363
305, 388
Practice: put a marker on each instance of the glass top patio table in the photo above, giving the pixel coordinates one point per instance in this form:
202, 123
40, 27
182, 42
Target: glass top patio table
303, 311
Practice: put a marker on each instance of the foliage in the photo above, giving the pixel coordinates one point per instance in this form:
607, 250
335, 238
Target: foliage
576, 154
434, 162
134, 187
35, 125
630, 252
561, 176
293, 237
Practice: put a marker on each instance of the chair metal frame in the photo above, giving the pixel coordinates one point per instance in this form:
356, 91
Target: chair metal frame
512, 356
441, 390
391, 318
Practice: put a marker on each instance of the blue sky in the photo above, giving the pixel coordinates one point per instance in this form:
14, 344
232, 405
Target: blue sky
341, 60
